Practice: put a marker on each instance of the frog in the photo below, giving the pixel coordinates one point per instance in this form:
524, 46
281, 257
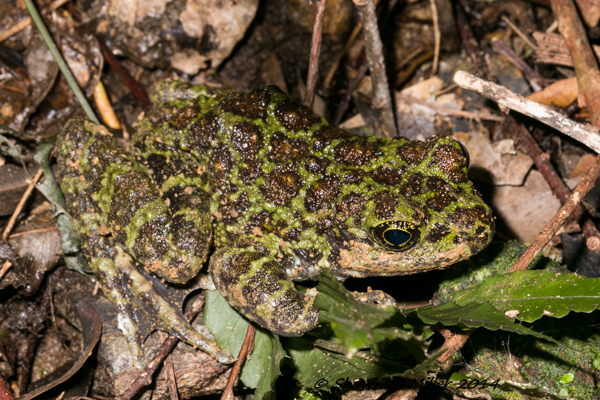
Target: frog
266, 193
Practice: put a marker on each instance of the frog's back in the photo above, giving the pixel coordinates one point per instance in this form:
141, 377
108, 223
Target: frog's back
278, 172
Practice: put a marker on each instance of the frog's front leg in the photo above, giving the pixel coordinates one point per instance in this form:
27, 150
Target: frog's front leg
253, 282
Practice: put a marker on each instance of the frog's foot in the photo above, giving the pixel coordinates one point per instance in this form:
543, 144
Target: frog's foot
257, 287
173, 320
375, 296
105, 272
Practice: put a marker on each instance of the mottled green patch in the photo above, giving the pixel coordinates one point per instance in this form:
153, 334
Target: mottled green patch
262, 175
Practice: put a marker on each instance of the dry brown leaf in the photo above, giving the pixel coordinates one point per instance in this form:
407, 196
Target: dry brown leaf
583, 165
524, 210
590, 11
494, 164
560, 93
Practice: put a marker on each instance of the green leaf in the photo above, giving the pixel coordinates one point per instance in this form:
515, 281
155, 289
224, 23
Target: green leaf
229, 328
535, 294
69, 238
496, 259
356, 324
318, 368
474, 315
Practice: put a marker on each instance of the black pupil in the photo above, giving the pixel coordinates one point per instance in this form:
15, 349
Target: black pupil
396, 237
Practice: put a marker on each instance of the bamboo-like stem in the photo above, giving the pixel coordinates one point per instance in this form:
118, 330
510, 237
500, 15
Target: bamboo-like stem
64, 68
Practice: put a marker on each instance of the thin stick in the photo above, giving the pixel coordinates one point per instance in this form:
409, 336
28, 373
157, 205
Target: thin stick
586, 67
519, 32
382, 101
586, 134
27, 21
535, 79
315, 51
437, 35
144, 378
340, 56
454, 342
339, 113
244, 352
5, 267
469, 42
138, 90
13, 217
481, 115
132, 83
27, 363
586, 183
64, 68
169, 372
171, 382
5, 392
559, 188
342, 53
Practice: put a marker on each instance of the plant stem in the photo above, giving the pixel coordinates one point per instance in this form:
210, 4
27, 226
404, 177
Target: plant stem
39, 23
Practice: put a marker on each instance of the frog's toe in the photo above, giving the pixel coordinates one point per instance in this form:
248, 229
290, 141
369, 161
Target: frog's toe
257, 287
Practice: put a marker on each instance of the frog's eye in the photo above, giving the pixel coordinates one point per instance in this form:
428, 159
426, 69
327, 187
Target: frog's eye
465, 154
395, 235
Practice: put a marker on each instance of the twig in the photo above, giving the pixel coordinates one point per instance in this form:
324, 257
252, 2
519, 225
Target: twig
586, 67
18, 27
412, 62
469, 42
535, 79
171, 382
437, 35
586, 134
339, 113
5, 267
244, 352
342, 53
518, 32
586, 183
559, 189
382, 102
138, 90
5, 392
103, 103
13, 218
481, 115
169, 372
144, 378
315, 51
453, 342
27, 363
64, 68
340, 56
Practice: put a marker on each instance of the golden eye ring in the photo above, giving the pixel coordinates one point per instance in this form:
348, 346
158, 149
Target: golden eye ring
395, 235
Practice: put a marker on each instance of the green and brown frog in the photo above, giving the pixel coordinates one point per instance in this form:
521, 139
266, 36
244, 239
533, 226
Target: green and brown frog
280, 195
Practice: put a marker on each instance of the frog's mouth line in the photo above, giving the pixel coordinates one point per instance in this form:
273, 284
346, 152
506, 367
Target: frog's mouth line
356, 262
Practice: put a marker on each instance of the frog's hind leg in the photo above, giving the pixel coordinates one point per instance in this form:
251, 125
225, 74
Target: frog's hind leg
254, 283
173, 320
121, 282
